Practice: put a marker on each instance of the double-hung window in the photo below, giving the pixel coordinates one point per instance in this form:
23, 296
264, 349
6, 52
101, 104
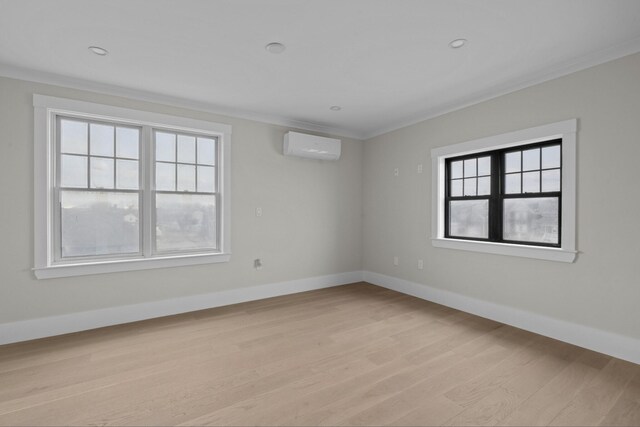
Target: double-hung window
119, 189
511, 194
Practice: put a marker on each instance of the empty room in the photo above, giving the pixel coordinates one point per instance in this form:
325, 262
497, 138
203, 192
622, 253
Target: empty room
319, 212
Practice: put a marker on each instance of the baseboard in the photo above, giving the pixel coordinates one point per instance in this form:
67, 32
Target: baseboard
63, 324
615, 345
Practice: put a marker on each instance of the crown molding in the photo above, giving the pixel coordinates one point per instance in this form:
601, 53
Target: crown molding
568, 67
565, 68
26, 74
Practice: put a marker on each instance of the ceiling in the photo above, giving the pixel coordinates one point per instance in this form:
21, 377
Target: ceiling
387, 63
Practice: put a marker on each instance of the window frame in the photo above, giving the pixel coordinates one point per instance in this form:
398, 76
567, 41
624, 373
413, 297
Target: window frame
47, 263
565, 251
498, 194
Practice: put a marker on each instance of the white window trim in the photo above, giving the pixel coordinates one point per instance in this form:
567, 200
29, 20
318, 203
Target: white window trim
565, 130
45, 110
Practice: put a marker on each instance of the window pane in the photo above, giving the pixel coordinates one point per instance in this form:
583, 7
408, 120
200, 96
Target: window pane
207, 151
127, 142
101, 173
186, 149
512, 183
512, 161
456, 169
470, 186
73, 137
551, 157
127, 174
531, 182
73, 171
101, 140
456, 188
470, 167
165, 177
531, 159
186, 178
469, 218
165, 147
98, 223
484, 186
206, 179
185, 221
551, 180
531, 220
484, 166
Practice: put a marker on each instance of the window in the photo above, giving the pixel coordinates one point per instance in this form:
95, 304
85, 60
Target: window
512, 194
120, 189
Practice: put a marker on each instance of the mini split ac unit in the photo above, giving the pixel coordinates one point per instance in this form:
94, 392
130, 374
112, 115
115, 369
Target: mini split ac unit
311, 146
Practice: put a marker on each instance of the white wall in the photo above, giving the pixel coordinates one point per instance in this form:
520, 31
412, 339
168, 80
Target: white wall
602, 288
311, 222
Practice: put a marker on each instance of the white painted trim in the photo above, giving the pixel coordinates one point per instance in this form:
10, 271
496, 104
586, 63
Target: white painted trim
25, 74
100, 267
92, 109
566, 130
57, 325
45, 110
615, 345
626, 48
524, 251
509, 139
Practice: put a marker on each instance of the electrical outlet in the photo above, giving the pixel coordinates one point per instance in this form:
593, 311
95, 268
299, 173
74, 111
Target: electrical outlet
396, 261
396, 172
258, 211
420, 264
420, 168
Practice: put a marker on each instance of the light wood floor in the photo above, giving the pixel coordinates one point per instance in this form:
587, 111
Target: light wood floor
351, 355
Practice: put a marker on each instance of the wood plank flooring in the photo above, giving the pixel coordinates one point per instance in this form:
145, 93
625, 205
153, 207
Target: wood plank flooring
351, 355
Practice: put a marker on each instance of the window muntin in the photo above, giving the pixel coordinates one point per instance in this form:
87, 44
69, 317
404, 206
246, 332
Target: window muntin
523, 204
50, 194
469, 189
99, 191
185, 192
470, 177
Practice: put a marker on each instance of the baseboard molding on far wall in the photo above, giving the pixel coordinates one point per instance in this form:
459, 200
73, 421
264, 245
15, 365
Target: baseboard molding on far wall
619, 346
63, 324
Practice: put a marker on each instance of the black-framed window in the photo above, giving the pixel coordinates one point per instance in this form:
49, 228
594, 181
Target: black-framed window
512, 195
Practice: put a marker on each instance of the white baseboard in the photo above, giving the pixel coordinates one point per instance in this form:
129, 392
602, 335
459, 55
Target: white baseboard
619, 346
63, 324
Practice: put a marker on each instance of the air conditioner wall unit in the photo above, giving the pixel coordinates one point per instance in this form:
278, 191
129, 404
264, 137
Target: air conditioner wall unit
311, 146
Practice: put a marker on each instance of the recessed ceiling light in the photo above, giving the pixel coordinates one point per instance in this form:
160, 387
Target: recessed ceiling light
457, 43
98, 50
275, 47
335, 108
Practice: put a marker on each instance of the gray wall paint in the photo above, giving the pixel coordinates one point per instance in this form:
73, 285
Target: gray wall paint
311, 222
312, 210
602, 288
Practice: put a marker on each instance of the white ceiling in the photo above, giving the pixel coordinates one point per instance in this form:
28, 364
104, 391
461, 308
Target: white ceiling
386, 62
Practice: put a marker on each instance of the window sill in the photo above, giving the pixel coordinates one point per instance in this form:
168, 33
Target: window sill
537, 252
99, 267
